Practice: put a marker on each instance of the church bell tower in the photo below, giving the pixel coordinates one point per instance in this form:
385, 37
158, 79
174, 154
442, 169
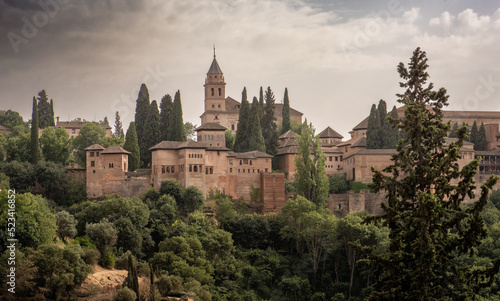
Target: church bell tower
215, 88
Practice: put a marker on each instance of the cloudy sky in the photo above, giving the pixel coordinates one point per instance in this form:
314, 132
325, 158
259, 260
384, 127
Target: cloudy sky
336, 57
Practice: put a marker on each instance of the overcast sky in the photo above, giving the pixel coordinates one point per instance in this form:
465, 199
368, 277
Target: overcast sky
336, 57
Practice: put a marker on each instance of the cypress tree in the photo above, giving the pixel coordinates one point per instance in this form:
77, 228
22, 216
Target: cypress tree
474, 134
255, 138
105, 121
141, 114
429, 226
261, 99
373, 129
118, 127
52, 119
151, 132
285, 125
393, 131
132, 145
454, 131
482, 143
166, 107
45, 111
34, 145
269, 129
177, 131
132, 280
241, 140
385, 127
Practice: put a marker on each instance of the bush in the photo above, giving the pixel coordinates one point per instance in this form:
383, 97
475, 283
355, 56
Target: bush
169, 284
108, 260
90, 256
358, 186
338, 184
125, 294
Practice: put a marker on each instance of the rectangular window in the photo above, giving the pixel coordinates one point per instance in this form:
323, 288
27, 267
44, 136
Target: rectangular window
172, 169
111, 165
330, 158
92, 163
93, 171
73, 131
336, 158
163, 169
230, 170
168, 169
250, 162
91, 154
232, 127
266, 169
97, 154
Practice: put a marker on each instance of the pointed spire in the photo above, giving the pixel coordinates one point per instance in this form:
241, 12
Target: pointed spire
214, 68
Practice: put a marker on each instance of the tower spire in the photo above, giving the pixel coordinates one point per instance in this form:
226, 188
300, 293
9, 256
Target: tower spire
214, 51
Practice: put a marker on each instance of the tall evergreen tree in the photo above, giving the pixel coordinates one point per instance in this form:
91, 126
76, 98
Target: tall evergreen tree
373, 129
151, 132
310, 180
261, 99
105, 121
482, 143
385, 127
52, 112
241, 140
177, 131
269, 129
285, 125
393, 131
141, 114
429, 226
34, 145
255, 138
454, 131
45, 111
132, 145
474, 134
118, 127
166, 107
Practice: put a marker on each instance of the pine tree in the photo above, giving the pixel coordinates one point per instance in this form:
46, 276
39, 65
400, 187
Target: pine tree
373, 130
177, 131
255, 138
429, 226
474, 134
310, 180
454, 131
241, 140
34, 145
285, 125
151, 132
132, 145
118, 127
166, 107
45, 111
141, 113
482, 143
269, 129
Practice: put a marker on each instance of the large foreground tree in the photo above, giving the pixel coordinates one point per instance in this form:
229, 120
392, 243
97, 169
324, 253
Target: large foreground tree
425, 189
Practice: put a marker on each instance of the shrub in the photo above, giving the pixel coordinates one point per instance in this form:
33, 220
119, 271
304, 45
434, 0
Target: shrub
125, 294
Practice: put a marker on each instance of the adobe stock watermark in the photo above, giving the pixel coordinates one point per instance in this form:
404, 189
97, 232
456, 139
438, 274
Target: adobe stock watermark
32, 25
371, 30
485, 88
11, 241
126, 102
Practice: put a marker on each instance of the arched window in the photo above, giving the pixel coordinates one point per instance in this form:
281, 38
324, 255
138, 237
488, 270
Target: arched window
212, 90
195, 169
220, 91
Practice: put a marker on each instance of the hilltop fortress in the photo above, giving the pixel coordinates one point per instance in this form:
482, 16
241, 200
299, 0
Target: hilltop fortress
209, 165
